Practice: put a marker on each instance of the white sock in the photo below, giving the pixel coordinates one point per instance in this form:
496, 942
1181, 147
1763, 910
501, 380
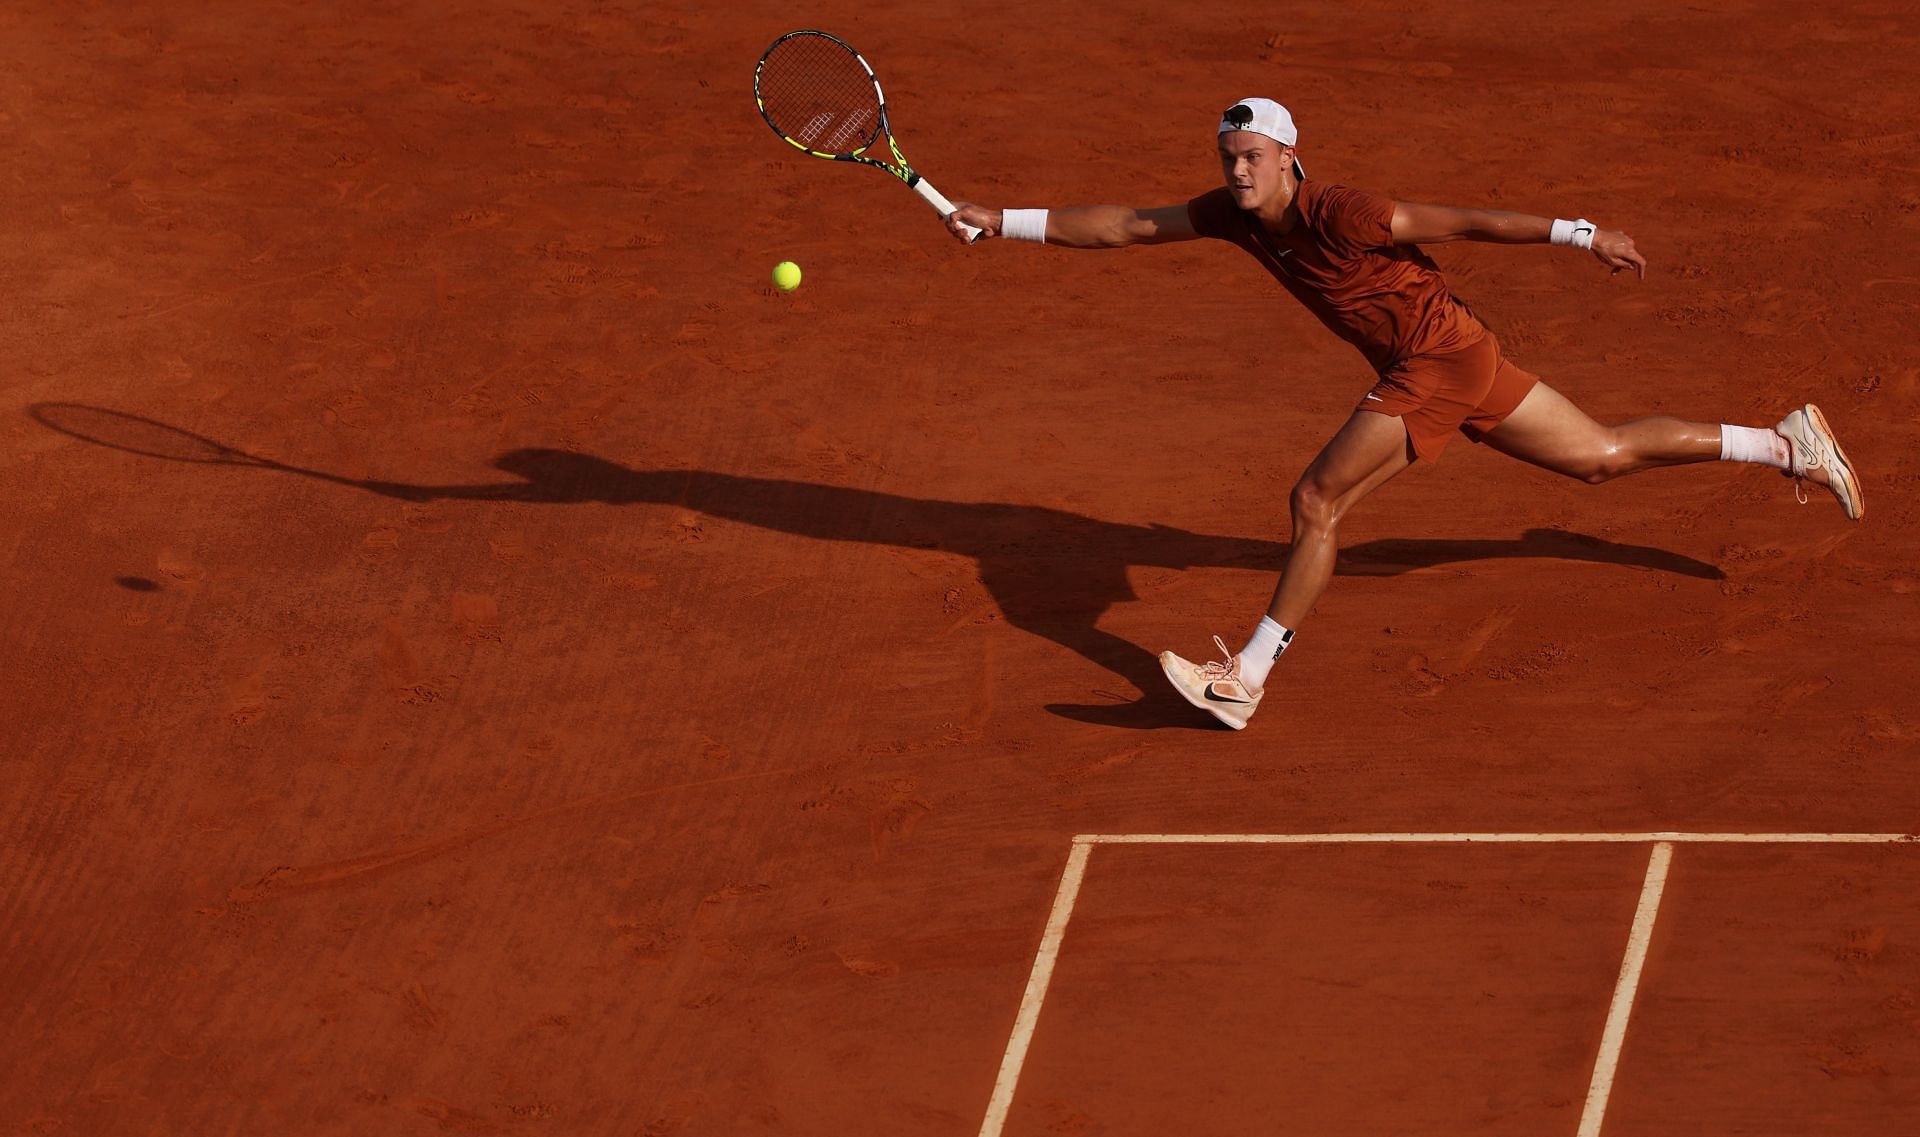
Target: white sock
1753, 444
1262, 652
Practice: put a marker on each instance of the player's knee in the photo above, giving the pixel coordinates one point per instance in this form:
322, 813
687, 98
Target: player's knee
1313, 508
1600, 460
1605, 464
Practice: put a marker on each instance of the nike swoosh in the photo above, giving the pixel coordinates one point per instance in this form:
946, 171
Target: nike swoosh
1211, 697
1376, 398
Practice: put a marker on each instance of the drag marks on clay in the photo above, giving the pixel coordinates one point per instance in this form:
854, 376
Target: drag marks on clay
380, 545
1885, 726
248, 695
868, 968
986, 679
397, 663
289, 880
178, 566
169, 306
1099, 767
977, 616
1892, 142
426, 518
507, 545
477, 615
892, 806
1783, 694
468, 220
652, 941
1861, 949
1428, 676
1532, 663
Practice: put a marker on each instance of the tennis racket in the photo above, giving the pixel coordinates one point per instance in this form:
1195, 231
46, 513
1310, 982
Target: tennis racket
816, 92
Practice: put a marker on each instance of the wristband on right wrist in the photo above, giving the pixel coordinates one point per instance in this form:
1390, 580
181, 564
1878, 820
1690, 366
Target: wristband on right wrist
1024, 225
1579, 233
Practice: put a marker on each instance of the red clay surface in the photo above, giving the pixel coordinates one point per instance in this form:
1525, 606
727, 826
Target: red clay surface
625, 700
1331, 990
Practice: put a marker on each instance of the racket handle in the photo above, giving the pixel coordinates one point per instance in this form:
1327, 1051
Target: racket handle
944, 207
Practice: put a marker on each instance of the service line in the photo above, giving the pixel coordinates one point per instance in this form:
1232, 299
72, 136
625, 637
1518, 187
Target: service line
1612, 1038
1493, 838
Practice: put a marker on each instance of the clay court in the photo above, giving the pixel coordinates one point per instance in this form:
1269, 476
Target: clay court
479, 660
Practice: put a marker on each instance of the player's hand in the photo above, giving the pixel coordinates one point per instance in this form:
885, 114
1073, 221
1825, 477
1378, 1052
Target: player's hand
979, 216
1616, 251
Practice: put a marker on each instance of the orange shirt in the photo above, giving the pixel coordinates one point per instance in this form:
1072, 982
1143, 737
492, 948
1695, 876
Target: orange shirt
1388, 300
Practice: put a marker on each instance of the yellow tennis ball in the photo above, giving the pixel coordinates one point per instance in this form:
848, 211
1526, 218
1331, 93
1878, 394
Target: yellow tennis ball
786, 276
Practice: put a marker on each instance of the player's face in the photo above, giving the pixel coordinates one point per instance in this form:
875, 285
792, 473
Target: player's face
1255, 166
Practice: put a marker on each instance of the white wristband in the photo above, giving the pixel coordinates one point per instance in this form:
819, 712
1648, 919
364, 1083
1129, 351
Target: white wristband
1024, 225
1579, 233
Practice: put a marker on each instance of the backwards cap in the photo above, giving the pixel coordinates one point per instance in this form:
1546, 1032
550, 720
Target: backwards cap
1263, 116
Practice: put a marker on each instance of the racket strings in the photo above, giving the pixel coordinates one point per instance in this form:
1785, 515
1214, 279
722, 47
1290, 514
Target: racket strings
816, 92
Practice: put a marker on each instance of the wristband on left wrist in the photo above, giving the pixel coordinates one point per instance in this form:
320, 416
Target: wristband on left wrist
1579, 233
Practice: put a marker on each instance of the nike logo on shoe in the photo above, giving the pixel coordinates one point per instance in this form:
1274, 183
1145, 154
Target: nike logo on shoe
1214, 687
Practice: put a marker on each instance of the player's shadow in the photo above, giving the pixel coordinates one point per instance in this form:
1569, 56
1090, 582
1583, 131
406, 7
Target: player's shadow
1050, 572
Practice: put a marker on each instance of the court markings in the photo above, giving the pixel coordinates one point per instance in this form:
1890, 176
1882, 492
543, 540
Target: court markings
1037, 982
1612, 1037
1623, 991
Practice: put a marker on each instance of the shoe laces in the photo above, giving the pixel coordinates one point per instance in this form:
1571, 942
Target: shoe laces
1228, 668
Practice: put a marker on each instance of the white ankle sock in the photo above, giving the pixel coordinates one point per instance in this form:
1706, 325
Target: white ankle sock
1263, 651
1753, 444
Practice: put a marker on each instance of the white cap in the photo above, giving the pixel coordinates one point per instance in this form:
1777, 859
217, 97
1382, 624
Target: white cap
1263, 116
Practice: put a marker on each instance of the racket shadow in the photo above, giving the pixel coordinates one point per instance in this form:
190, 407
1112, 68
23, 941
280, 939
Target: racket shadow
1051, 572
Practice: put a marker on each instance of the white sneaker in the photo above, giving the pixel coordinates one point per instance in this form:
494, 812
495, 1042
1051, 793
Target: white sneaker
1215, 688
1811, 446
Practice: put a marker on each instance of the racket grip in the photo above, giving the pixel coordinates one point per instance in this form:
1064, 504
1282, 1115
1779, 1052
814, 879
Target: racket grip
942, 206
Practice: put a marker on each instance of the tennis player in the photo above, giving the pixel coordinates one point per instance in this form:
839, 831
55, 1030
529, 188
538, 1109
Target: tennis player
1354, 260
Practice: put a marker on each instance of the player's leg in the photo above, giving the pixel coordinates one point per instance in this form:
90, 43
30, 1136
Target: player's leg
1367, 451
1549, 431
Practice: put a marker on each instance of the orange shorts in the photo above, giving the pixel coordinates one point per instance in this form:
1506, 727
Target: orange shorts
1471, 390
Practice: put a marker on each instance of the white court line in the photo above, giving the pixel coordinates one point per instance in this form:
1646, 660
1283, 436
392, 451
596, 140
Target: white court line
1623, 991
1491, 838
1063, 901
1037, 982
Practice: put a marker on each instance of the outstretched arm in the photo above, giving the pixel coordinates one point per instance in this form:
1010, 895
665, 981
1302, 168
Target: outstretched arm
1088, 226
1432, 224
